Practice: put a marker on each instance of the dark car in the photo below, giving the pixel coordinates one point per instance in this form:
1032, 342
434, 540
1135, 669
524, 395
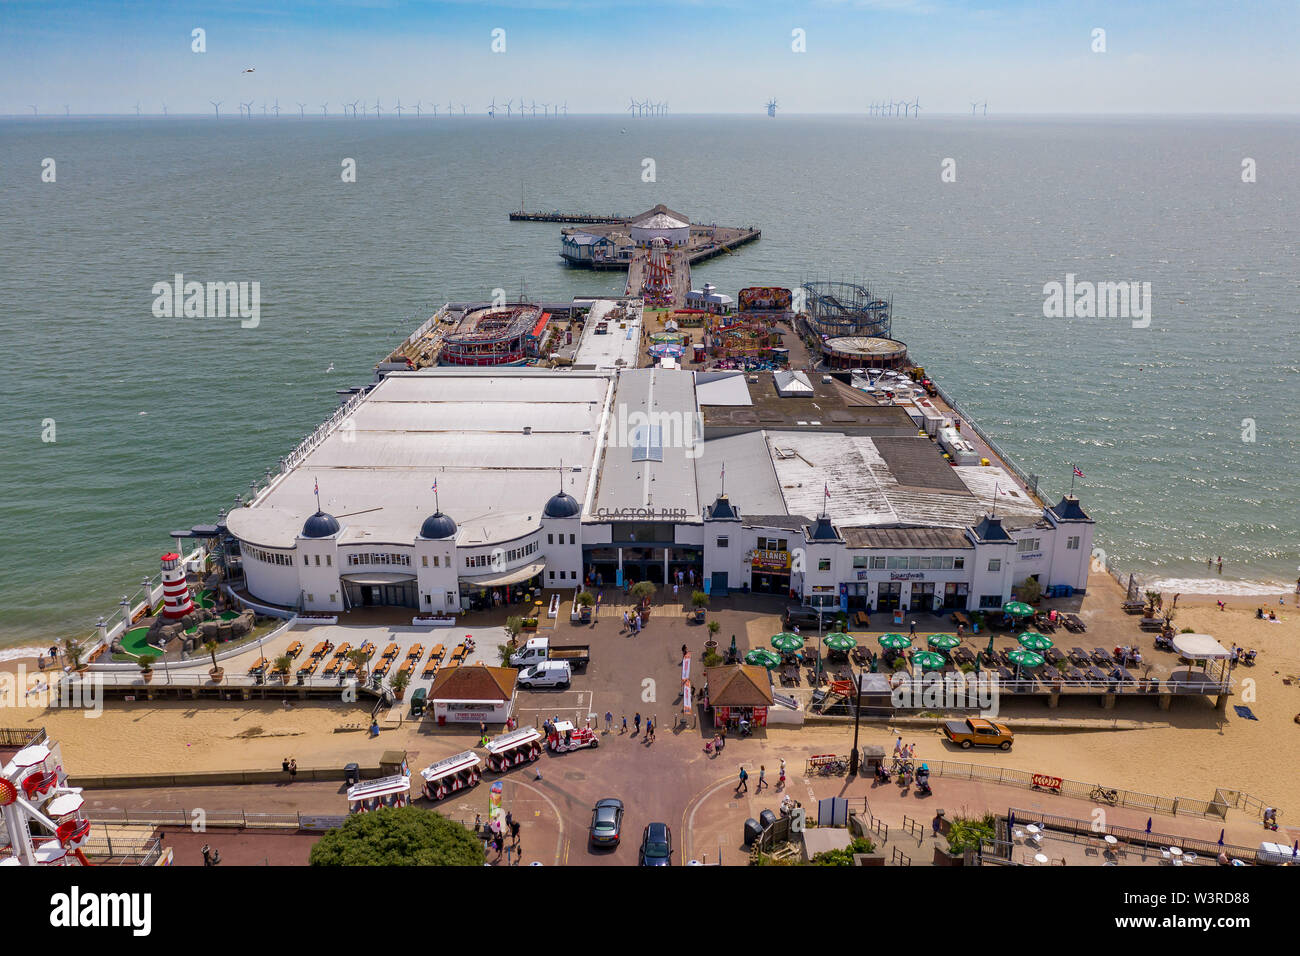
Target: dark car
657, 845
802, 616
607, 822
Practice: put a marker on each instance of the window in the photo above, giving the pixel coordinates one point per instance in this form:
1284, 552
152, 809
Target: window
311, 598
1026, 545
896, 563
550, 539
551, 574
333, 598
428, 599
451, 599
860, 560
425, 560
306, 559
995, 564
723, 542
1072, 543
990, 600
958, 563
878, 562
823, 564
318, 560
573, 539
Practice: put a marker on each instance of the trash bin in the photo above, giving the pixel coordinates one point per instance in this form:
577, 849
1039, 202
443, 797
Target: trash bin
352, 774
752, 831
442, 720
766, 819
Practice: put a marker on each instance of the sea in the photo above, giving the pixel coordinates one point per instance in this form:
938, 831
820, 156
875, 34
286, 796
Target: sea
120, 426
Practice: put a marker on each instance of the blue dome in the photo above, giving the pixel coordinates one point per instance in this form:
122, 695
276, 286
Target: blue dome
561, 506
437, 525
320, 525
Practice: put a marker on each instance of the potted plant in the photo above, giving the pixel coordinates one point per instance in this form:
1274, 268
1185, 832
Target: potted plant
700, 600
514, 624
146, 666
585, 601
398, 682
282, 665
358, 657
712, 642
72, 648
216, 673
642, 591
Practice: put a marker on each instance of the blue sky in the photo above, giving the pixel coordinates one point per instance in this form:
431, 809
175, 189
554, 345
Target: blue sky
701, 56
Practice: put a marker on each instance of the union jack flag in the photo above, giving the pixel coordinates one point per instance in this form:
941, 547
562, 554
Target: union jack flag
1077, 472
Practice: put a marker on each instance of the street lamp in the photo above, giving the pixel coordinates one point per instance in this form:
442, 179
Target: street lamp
857, 719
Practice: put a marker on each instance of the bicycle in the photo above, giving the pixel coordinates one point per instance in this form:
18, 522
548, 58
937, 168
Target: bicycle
1100, 794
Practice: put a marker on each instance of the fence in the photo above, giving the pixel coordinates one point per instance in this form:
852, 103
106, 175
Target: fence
1172, 806
21, 736
314, 440
1031, 481
241, 819
1207, 850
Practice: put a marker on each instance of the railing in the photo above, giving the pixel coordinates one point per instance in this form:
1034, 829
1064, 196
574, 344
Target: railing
899, 858
323, 431
1207, 850
1031, 481
1216, 682
914, 829
197, 677
1172, 806
21, 736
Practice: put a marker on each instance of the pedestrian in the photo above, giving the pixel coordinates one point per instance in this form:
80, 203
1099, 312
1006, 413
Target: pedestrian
514, 832
936, 823
762, 779
780, 780
744, 782
609, 722
913, 628
285, 765
624, 730
683, 652
636, 723
293, 770
626, 623
898, 746
478, 823
1220, 564
674, 590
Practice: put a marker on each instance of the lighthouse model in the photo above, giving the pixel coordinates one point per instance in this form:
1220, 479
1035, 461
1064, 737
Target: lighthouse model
176, 593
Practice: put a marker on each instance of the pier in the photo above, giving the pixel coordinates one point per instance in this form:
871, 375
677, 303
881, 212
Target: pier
579, 217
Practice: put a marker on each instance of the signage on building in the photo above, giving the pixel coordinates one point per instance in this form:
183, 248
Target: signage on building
1029, 556
771, 560
764, 299
907, 576
641, 514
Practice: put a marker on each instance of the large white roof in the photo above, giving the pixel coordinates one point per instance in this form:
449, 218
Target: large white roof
463, 428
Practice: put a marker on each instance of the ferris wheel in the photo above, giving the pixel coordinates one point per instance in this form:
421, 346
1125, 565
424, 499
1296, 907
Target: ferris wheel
34, 796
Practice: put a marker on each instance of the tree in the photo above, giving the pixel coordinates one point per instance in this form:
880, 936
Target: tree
211, 648
700, 599
282, 665
72, 648
1029, 591
402, 836
359, 658
642, 591
585, 599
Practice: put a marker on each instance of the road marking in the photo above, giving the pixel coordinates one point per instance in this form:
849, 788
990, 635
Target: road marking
688, 824
559, 838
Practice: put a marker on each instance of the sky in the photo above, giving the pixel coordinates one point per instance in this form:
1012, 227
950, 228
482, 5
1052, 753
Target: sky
699, 56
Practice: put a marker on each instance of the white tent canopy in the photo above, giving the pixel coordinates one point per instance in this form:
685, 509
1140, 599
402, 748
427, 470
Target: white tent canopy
1200, 647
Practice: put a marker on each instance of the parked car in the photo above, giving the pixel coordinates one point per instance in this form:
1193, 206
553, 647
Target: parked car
547, 674
805, 617
975, 731
656, 845
607, 822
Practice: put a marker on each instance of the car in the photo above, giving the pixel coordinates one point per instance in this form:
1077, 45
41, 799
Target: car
547, 674
804, 617
656, 845
975, 731
607, 822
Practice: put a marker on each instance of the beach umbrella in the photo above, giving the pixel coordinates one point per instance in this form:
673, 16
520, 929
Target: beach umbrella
762, 657
928, 659
1024, 658
1035, 641
787, 643
895, 642
989, 649
1017, 609
944, 642
839, 641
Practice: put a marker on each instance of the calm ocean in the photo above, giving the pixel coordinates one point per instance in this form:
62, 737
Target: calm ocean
161, 422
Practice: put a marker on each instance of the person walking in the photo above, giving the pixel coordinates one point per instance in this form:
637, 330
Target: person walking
780, 780
762, 779
293, 770
743, 784
624, 730
609, 722
636, 723
913, 632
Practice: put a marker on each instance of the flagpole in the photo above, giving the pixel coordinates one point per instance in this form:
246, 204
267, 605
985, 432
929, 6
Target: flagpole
317, 489
1074, 473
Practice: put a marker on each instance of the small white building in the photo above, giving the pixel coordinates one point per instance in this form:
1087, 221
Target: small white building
660, 223
709, 299
469, 694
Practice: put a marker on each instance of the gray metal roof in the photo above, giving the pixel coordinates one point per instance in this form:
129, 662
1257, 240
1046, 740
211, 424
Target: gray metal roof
905, 538
751, 479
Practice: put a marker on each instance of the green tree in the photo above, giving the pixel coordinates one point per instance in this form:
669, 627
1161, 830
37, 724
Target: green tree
404, 836
843, 857
642, 591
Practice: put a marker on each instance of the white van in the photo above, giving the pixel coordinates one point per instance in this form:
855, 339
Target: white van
547, 674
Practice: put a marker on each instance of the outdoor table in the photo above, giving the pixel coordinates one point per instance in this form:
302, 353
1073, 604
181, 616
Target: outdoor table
1109, 838
1040, 858
1175, 851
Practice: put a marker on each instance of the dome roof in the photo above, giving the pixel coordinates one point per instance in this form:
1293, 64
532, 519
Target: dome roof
320, 525
437, 525
561, 506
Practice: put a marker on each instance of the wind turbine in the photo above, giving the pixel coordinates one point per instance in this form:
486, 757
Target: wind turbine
398, 107
378, 109
324, 109
247, 106
771, 107
302, 110
35, 112
435, 109
263, 107
632, 105
566, 107
416, 107
973, 106
532, 106
276, 108
916, 108
451, 108
364, 108
508, 102
462, 109
68, 112
164, 109
353, 105
546, 109
986, 107
492, 109
216, 105
137, 107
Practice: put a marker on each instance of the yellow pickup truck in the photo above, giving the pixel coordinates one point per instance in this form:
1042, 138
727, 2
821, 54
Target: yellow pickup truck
977, 731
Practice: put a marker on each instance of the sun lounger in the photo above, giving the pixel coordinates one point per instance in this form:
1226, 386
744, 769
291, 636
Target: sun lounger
1077, 656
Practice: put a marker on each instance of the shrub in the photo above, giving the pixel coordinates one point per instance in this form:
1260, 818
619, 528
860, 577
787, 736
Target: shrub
403, 836
965, 833
843, 857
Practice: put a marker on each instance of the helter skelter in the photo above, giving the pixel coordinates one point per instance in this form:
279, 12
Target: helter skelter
34, 796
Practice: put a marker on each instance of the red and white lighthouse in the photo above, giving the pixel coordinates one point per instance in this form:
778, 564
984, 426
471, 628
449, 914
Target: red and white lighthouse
176, 593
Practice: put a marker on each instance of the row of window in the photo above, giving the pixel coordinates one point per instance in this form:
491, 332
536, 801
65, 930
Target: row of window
573, 575
573, 538
329, 560
772, 544
267, 557
903, 562
487, 560
380, 557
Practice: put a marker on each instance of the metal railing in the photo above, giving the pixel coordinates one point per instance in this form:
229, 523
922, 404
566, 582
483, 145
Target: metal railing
899, 858
21, 736
314, 440
1088, 833
1173, 806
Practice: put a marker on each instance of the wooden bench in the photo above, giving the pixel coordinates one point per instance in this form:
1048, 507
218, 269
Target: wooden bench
320, 649
862, 619
459, 654
390, 651
416, 652
368, 649
960, 618
294, 649
342, 651
258, 664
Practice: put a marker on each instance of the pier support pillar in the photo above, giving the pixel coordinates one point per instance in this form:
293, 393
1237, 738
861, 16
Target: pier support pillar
1166, 700
1221, 703
1108, 701
1054, 699
246, 693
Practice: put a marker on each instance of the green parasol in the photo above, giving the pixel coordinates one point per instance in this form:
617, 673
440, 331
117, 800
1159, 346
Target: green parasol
943, 642
763, 658
1035, 641
1017, 609
928, 659
895, 642
839, 641
787, 643
1024, 658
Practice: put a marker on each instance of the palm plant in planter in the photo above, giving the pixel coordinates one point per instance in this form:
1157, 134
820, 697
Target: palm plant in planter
146, 666
360, 658
700, 600
585, 601
282, 665
399, 682
72, 649
642, 591
216, 673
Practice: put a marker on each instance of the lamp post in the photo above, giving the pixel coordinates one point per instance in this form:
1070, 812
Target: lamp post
857, 719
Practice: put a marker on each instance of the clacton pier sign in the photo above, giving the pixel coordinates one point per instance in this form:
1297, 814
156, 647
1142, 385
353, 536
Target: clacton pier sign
640, 514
